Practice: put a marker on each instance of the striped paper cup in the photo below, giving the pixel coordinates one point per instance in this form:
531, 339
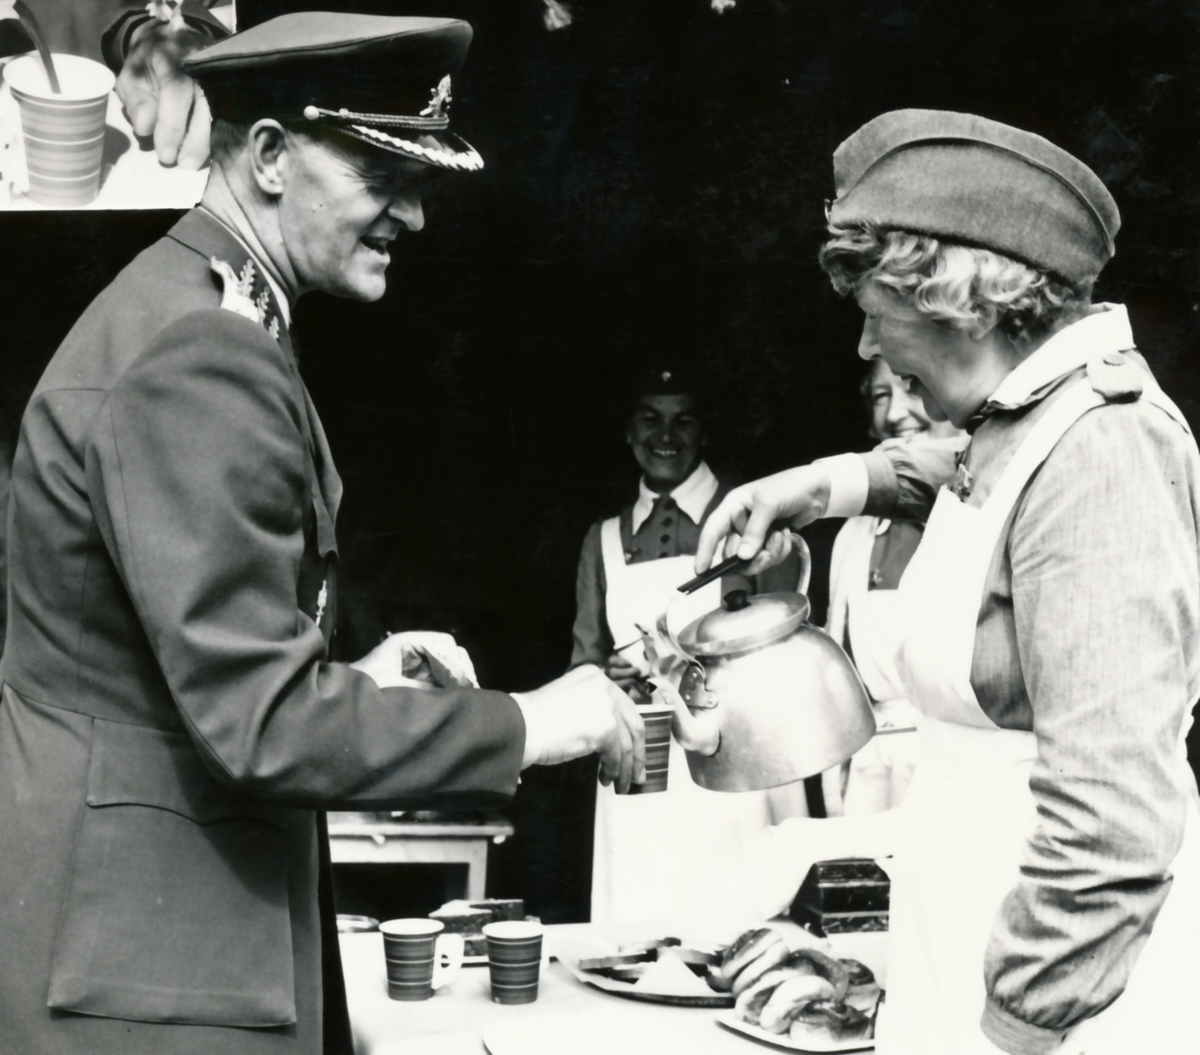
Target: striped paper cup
657, 720
419, 957
64, 134
514, 960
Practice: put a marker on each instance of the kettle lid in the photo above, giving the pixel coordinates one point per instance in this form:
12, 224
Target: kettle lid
744, 622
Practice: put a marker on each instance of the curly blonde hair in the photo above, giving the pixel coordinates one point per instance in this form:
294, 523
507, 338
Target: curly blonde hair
954, 284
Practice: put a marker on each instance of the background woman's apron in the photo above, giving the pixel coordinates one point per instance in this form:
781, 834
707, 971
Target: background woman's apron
881, 771
650, 851
970, 811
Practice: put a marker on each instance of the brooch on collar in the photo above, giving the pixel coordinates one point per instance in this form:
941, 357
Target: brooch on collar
964, 482
238, 295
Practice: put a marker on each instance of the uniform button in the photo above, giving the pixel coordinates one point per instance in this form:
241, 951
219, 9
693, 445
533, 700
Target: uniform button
667, 521
663, 556
665, 538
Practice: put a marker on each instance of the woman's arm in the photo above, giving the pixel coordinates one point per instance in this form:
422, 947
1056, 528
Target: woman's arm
895, 480
1104, 569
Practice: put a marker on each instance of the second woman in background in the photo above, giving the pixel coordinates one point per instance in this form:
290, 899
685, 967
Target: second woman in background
869, 557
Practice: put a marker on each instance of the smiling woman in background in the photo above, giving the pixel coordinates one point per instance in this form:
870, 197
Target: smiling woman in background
869, 556
649, 850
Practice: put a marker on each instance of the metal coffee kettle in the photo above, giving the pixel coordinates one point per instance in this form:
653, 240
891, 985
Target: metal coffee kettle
787, 699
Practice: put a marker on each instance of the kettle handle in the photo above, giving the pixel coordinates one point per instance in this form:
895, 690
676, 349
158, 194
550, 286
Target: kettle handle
800, 548
732, 565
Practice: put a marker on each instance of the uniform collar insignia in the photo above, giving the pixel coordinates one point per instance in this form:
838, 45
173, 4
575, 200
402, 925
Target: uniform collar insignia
238, 294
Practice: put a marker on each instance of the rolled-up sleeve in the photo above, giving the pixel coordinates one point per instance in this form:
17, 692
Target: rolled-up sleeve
195, 473
1103, 552
903, 477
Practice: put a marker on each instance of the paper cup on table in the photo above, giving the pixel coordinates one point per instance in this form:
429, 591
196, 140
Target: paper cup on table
514, 960
64, 134
657, 720
419, 957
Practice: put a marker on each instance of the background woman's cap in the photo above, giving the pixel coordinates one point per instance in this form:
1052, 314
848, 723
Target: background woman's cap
971, 180
386, 81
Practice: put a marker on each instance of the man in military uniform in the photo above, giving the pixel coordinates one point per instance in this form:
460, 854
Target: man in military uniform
169, 720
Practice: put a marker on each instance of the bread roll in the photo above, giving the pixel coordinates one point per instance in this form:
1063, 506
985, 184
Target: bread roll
768, 958
828, 1020
743, 949
789, 999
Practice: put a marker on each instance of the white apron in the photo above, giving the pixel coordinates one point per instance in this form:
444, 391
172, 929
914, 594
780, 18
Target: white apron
651, 851
877, 777
970, 811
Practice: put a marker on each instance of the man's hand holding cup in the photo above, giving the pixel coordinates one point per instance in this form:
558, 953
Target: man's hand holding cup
584, 713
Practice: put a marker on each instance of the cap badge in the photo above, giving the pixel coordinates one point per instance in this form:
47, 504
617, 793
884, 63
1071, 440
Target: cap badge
169, 12
439, 99
666, 377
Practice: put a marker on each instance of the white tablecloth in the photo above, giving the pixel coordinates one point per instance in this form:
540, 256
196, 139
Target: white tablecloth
568, 1017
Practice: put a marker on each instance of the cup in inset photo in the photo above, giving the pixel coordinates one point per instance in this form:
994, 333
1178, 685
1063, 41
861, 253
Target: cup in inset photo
514, 960
657, 720
64, 132
419, 957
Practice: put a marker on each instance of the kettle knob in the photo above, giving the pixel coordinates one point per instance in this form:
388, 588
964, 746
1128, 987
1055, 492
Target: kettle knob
736, 600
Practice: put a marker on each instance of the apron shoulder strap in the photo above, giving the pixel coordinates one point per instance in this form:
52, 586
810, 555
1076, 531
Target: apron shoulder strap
610, 546
1037, 445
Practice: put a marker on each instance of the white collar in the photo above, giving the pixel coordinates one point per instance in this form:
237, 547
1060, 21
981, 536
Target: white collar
692, 496
1104, 331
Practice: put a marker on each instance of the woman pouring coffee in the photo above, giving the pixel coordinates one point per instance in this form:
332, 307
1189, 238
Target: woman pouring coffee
1046, 883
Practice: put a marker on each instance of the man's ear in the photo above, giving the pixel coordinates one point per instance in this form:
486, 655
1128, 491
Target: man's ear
268, 150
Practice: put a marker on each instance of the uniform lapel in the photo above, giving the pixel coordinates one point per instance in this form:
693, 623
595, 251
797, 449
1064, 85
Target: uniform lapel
246, 291
330, 482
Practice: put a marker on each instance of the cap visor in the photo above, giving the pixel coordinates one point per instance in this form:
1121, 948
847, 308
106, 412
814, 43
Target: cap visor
441, 149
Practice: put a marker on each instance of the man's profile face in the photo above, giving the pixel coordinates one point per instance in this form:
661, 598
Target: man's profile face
342, 206
666, 434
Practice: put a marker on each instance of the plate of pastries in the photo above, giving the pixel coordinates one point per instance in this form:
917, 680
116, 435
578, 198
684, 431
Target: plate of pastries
800, 999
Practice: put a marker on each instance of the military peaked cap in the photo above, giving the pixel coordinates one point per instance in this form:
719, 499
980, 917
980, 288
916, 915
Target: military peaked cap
976, 181
386, 81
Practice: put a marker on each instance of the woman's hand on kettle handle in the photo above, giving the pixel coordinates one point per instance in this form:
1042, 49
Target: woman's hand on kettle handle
755, 520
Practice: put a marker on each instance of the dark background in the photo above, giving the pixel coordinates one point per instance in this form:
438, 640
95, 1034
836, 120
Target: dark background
654, 186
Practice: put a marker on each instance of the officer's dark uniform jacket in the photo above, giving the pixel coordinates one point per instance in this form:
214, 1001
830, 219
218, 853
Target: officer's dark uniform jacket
169, 721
